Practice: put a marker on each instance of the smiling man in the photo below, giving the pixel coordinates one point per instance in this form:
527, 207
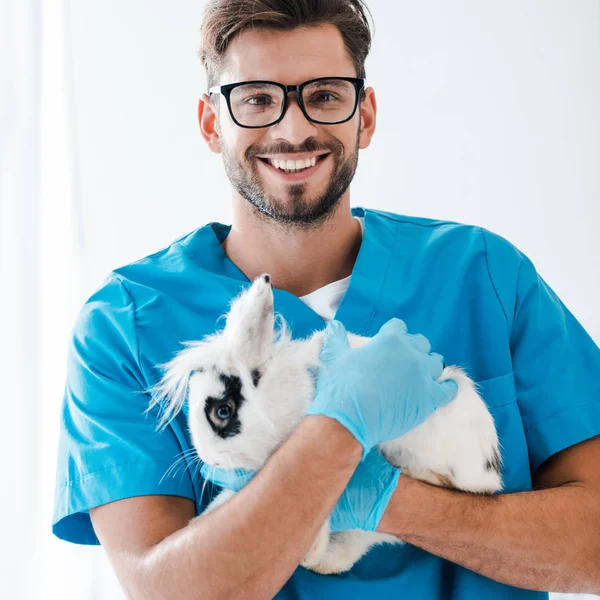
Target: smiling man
290, 130
288, 108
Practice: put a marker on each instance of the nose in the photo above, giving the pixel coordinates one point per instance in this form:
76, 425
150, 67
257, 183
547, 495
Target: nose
294, 127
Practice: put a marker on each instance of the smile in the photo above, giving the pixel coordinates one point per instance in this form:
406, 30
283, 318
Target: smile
294, 170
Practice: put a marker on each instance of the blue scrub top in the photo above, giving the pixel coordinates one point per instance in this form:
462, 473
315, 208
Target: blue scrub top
475, 296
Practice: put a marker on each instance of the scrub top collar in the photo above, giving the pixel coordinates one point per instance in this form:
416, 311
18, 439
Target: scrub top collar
359, 304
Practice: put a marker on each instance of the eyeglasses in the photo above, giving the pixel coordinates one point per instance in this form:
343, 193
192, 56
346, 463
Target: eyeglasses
326, 100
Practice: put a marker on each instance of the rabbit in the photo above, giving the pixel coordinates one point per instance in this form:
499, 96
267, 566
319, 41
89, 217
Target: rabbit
249, 386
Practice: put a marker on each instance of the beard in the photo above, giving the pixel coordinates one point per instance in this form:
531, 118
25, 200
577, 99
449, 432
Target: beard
296, 209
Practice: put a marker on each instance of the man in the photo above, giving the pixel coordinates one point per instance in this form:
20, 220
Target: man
290, 150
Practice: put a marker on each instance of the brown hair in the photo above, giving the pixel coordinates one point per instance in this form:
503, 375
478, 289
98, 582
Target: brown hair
224, 19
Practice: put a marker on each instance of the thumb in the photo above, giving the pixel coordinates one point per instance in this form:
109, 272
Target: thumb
335, 341
444, 392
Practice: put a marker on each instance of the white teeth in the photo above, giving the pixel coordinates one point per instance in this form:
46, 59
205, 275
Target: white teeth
294, 165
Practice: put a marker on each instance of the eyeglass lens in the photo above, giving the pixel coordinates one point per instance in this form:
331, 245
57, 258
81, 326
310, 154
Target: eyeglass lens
259, 104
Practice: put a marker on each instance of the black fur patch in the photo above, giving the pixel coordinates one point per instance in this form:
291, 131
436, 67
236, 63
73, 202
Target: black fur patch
255, 377
233, 392
493, 463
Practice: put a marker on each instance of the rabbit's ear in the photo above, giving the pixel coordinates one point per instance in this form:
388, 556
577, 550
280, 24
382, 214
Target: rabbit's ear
251, 319
172, 389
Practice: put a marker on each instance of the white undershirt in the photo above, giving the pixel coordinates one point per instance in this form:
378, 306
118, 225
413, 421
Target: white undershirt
326, 299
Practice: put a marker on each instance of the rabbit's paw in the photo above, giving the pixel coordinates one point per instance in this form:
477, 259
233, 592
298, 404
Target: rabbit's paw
345, 549
318, 548
332, 565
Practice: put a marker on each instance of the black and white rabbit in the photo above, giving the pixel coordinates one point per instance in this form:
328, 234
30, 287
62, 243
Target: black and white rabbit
249, 386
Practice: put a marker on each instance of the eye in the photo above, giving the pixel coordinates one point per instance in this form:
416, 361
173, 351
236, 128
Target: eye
259, 100
323, 97
225, 411
255, 376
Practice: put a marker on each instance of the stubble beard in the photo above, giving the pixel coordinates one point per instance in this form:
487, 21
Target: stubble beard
296, 211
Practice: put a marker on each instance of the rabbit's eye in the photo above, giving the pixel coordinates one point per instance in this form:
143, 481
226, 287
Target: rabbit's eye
224, 411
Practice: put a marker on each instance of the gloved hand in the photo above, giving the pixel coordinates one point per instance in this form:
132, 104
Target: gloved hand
382, 390
361, 504
367, 494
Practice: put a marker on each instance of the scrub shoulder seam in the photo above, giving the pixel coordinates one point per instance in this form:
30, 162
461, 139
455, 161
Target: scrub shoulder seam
185, 250
487, 265
157, 253
135, 320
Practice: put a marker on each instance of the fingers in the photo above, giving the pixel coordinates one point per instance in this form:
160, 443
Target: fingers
419, 341
435, 364
444, 392
335, 341
398, 327
394, 325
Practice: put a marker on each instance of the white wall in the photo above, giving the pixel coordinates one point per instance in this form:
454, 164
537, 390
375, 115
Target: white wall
488, 114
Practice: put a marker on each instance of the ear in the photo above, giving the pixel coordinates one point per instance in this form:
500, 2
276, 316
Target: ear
209, 124
368, 117
251, 320
171, 391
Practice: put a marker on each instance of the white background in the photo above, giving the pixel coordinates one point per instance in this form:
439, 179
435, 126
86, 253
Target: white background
488, 114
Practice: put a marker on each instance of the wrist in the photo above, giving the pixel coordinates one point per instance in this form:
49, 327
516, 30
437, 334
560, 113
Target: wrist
335, 439
349, 425
379, 510
367, 495
394, 520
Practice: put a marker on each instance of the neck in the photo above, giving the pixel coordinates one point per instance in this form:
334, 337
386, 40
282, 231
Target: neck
298, 259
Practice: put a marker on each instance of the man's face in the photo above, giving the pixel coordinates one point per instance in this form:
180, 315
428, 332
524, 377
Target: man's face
307, 196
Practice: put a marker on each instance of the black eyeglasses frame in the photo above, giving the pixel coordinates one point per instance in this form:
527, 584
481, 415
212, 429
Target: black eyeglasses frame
225, 90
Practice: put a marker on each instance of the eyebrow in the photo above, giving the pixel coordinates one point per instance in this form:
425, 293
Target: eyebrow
322, 83
256, 86
330, 83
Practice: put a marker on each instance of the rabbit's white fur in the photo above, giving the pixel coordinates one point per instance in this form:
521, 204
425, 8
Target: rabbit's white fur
265, 383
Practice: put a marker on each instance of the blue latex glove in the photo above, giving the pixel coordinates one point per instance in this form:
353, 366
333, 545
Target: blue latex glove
367, 494
361, 504
382, 390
